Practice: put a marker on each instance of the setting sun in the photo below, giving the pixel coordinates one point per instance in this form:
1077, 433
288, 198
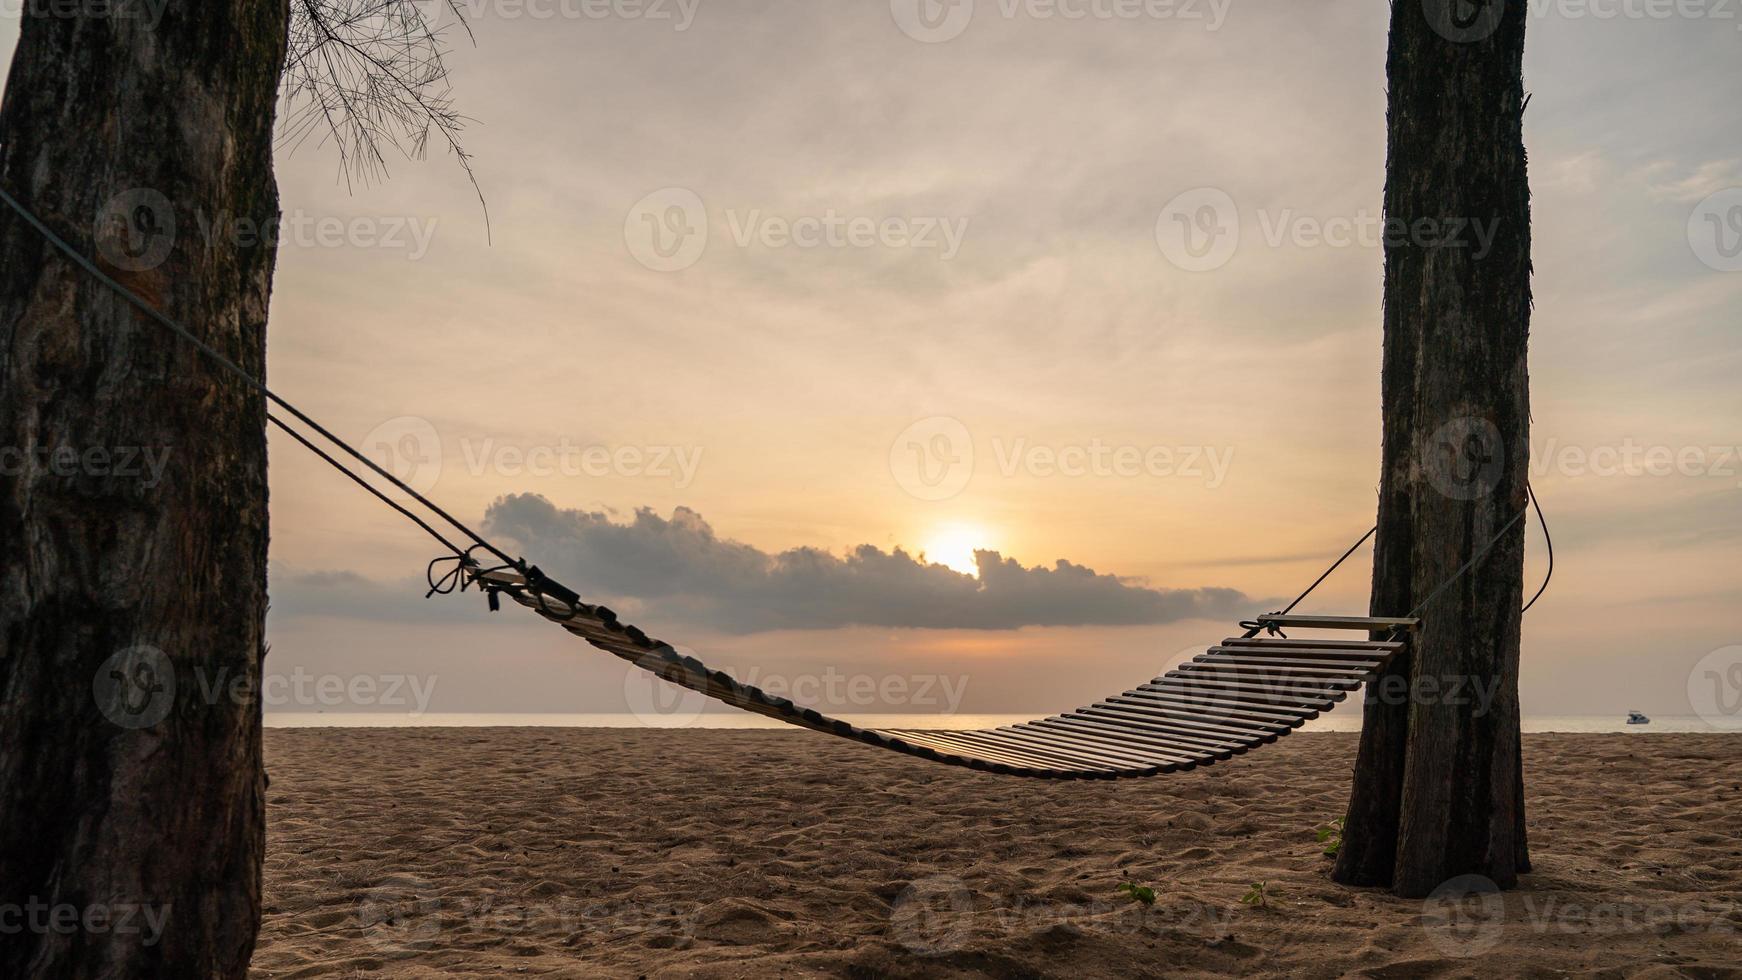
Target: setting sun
952, 546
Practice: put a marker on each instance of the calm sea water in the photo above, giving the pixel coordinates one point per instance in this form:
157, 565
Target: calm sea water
1336, 721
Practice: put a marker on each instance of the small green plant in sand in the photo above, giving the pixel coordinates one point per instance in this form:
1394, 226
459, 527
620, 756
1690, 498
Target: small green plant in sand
1331, 836
1138, 893
1258, 896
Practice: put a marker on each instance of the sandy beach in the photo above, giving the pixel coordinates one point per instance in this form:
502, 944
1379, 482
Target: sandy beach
577, 852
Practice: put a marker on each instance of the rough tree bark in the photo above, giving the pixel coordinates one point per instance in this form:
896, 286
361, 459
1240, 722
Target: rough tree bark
1438, 787
133, 490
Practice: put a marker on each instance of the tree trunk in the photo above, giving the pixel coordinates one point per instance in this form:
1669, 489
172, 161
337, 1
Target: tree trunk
133, 488
1438, 787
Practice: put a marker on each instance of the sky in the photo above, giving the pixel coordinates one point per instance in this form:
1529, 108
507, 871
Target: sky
865, 348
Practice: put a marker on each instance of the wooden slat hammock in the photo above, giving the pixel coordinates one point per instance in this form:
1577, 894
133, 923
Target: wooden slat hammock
1246, 692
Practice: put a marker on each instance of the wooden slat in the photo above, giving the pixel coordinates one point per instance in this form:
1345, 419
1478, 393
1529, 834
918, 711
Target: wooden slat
1080, 761
1370, 623
929, 740
1216, 749
1263, 660
1124, 756
1287, 714
1280, 667
1275, 679
1205, 729
1192, 747
1189, 717
1331, 659
1175, 754
950, 747
1291, 720
1141, 721
1269, 702
1320, 699
1164, 756
1315, 643
967, 745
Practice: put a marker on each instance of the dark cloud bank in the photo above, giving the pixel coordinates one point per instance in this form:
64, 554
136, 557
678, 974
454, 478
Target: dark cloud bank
686, 573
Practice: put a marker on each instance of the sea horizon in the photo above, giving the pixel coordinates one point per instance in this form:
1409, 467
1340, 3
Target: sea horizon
1334, 722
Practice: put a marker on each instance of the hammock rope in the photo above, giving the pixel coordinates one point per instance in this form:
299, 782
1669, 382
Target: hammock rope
1246, 691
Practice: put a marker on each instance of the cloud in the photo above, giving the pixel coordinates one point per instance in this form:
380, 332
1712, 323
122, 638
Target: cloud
680, 570
1686, 188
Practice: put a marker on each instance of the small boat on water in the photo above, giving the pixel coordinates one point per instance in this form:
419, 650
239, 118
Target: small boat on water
1637, 718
